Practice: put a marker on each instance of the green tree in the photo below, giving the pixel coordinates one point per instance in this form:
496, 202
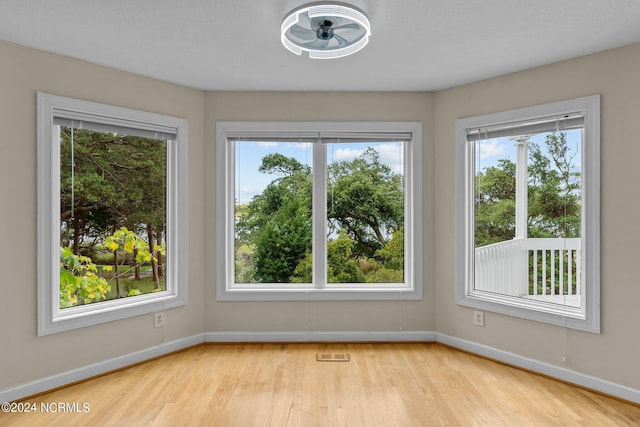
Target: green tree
391, 261
147, 212
365, 200
282, 242
88, 186
342, 261
365, 210
343, 265
109, 180
114, 180
125, 243
495, 203
554, 190
277, 222
79, 280
553, 194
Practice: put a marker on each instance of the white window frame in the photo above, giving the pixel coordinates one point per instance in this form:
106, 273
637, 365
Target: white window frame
586, 318
53, 319
412, 288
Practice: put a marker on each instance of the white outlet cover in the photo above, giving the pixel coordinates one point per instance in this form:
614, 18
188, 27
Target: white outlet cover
478, 318
159, 319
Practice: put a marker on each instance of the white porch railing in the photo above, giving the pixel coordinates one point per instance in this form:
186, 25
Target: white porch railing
543, 269
501, 268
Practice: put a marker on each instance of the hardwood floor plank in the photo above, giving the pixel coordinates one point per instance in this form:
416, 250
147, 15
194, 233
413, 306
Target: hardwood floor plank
383, 384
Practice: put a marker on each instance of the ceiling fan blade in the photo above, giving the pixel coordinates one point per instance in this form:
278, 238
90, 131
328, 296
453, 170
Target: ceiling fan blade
351, 26
342, 42
304, 21
317, 44
303, 34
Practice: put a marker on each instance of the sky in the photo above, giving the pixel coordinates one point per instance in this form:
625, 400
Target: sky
249, 182
489, 151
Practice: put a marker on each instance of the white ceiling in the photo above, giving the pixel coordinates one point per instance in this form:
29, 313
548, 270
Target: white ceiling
416, 45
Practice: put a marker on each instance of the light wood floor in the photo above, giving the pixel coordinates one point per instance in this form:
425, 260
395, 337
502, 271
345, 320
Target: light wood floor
283, 385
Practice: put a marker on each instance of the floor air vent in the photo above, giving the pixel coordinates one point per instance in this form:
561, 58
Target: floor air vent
332, 357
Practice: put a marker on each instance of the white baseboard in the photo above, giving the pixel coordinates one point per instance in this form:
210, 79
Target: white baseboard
311, 336
564, 374
64, 378
54, 381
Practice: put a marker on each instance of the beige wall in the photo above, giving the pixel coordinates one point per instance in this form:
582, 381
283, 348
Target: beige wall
23, 71
26, 357
317, 316
614, 354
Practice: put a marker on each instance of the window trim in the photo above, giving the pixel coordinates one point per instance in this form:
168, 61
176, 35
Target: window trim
52, 319
587, 318
413, 212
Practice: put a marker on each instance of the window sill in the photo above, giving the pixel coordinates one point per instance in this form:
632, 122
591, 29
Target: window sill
94, 314
314, 294
530, 309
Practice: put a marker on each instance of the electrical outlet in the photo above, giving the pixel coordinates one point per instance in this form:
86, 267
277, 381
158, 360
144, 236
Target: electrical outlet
478, 318
159, 319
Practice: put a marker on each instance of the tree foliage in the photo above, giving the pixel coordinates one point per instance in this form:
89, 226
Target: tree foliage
553, 194
127, 247
496, 203
365, 200
114, 180
277, 222
365, 218
112, 193
79, 280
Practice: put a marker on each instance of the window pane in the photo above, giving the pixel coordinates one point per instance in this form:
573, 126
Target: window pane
528, 198
365, 212
272, 211
112, 215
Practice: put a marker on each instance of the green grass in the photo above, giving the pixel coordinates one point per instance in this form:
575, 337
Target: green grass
127, 281
144, 285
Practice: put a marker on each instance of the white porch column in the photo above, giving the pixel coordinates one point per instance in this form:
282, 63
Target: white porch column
522, 143
521, 257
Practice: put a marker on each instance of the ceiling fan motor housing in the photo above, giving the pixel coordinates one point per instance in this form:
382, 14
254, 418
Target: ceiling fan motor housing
325, 32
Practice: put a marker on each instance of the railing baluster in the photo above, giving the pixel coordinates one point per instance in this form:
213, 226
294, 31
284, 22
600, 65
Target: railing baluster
535, 272
578, 273
569, 271
552, 278
544, 271
561, 268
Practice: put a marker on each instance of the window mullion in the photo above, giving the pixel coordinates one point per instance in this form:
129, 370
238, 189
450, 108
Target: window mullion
319, 216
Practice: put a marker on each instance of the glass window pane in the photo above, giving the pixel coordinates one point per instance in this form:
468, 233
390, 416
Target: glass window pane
528, 198
272, 210
365, 212
112, 216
